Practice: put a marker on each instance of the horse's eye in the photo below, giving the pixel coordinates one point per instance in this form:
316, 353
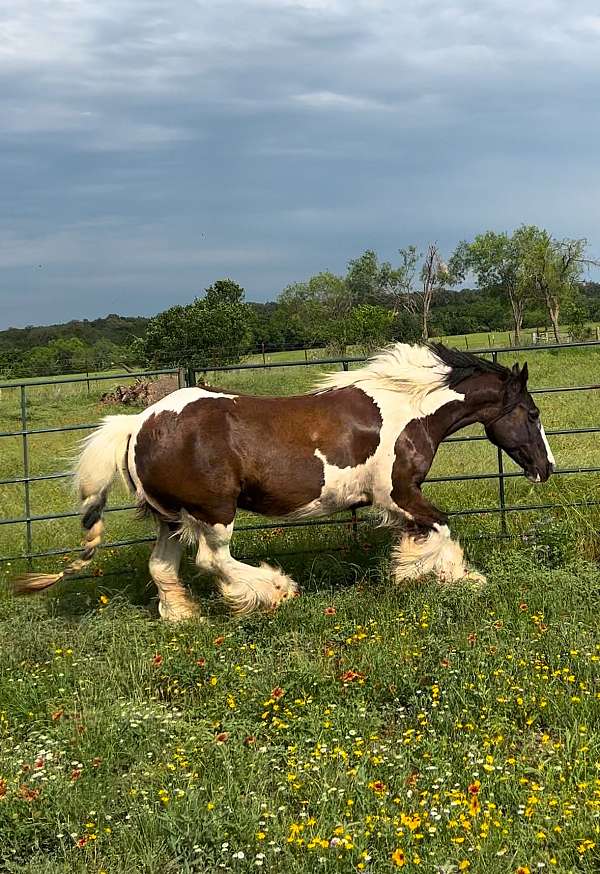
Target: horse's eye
534, 415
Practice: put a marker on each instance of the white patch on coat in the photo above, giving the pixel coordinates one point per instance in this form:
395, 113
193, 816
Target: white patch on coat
546, 444
172, 403
177, 400
371, 481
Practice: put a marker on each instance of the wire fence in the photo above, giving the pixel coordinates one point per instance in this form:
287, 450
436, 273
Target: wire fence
189, 377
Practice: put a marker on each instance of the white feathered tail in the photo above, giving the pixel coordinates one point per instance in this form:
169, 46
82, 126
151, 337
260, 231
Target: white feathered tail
103, 455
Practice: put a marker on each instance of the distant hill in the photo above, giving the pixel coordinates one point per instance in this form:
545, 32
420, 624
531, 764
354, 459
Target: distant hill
118, 329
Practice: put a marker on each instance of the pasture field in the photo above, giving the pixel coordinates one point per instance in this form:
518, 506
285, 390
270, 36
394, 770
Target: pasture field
360, 728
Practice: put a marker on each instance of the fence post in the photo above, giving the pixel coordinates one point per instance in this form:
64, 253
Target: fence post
344, 365
190, 377
26, 471
263, 352
501, 492
180, 377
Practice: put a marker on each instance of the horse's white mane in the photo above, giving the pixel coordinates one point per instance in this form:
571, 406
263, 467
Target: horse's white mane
414, 370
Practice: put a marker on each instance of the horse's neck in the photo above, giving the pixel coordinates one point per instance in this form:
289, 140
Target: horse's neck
456, 415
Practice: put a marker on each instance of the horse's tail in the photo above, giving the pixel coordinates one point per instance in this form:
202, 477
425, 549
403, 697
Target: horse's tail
104, 453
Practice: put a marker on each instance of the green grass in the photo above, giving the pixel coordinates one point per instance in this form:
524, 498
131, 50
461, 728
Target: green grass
447, 687
356, 722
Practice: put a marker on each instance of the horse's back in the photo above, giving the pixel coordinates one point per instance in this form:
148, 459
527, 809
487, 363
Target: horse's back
207, 451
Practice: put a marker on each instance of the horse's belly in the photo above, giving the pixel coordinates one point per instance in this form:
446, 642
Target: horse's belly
342, 489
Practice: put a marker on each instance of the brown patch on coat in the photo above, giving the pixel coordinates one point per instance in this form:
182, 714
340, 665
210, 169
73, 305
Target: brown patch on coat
257, 453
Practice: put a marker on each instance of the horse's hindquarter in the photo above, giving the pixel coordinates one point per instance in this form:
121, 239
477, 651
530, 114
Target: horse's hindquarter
178, 459
302, 455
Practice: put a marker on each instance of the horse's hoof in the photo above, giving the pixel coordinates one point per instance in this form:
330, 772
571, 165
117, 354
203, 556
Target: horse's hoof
181, 612
284, 594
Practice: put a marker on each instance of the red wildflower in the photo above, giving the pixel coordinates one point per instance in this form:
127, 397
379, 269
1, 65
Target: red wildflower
39, 763
277, 692
472, 638
2, 787
249, 740
201, 662
411, 780
445, 663
329, 611
58, 714
157, 660
474, 787
523, 607
219, 640
82, 841
222, 737
75, 774
351, 675
29, 794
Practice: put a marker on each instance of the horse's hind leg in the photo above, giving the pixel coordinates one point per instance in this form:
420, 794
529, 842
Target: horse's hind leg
422, 551
243, 586
174, 602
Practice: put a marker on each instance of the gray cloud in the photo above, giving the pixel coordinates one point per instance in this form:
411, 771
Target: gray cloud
150, 147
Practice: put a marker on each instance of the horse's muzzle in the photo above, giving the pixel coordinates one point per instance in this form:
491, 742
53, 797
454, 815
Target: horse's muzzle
540, 476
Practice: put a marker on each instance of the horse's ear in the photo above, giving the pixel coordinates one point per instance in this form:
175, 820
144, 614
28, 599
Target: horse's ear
519, 375
517, 379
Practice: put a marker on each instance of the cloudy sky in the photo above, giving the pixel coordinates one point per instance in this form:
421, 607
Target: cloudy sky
149, 147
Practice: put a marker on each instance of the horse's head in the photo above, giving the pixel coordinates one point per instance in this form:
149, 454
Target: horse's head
518, 430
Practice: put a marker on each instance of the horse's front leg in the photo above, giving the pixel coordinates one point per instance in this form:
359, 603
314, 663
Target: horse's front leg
425, 545
415, 507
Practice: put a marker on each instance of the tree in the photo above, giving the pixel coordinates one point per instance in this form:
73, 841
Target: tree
105, 354
302, 310
417, 297
552, 269
371, 282
495, 260
216, 328
363, 278
434, 274
369, 326
317, 308
224, 291
71, 354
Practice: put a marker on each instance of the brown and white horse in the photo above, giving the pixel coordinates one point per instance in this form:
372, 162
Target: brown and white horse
364, 437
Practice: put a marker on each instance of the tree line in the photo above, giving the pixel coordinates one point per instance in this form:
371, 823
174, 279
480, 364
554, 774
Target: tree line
525, 279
